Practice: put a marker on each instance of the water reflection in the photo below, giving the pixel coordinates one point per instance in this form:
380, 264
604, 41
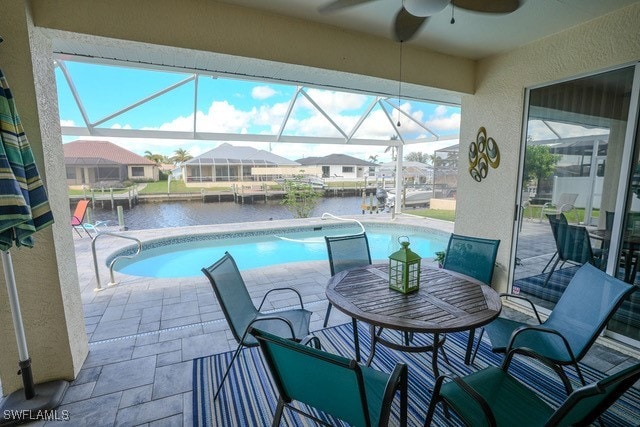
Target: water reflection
179, 214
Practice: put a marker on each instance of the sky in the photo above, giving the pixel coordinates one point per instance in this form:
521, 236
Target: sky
240, 106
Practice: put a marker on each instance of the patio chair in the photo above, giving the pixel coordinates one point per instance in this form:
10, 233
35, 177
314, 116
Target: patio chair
493, 397
77, 220
628, 254
474, 257
573, 244
555, 219
565, 203
582, 312
346, 252
241, 313
335, 385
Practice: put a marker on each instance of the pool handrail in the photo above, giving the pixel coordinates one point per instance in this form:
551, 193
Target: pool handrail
111, 264
324, 216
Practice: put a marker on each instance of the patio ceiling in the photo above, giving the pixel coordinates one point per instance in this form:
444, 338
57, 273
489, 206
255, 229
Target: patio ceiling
475, 36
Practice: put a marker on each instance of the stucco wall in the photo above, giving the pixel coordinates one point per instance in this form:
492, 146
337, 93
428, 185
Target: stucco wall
46, 275
486, 209
218, 27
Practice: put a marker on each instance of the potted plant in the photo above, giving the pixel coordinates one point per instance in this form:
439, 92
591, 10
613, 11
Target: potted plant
439, 257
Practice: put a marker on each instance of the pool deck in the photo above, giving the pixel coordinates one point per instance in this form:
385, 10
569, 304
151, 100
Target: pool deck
143, 333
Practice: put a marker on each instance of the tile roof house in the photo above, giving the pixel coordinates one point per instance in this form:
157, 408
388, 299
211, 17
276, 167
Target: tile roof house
88, 162
341, 166
227, 163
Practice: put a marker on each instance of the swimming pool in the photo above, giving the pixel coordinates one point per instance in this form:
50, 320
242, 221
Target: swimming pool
186, 256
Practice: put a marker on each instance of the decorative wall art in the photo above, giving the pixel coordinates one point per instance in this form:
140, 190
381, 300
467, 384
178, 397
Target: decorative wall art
483, 152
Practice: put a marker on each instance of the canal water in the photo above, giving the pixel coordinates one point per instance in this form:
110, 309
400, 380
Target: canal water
177, 214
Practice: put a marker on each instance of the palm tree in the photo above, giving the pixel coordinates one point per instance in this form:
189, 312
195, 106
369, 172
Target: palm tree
154, 157
180, 156
373, 158
392, 148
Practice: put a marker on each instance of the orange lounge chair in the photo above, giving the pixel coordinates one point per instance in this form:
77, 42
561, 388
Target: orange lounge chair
77, 220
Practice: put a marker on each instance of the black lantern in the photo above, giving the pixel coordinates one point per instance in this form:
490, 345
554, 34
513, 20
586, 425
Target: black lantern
404, 268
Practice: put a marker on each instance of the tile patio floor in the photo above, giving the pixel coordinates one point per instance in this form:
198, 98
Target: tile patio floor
143, 333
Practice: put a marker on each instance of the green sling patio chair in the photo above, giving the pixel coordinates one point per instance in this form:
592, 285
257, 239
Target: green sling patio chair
241, 313
573, 245
346, 252
492, 397
335, 385
582, 312
555, 219
474, 257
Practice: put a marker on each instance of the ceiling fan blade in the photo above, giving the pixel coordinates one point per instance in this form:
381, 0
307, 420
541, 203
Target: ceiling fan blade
488, 6
336, 5
406, 25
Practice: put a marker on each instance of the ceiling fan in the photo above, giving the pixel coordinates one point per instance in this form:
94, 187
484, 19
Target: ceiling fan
413, 14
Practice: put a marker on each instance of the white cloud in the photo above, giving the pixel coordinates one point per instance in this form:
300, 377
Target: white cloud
262, 92
119, 126
67, 123
305, 120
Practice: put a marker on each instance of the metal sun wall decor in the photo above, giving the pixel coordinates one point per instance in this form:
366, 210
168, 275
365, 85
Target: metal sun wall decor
483, 152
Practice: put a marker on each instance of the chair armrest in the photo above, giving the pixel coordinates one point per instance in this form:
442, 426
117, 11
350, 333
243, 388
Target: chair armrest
486, 409
311, 341
565, 207
535, 311
249, 326
280, 289
524, 351
541, 329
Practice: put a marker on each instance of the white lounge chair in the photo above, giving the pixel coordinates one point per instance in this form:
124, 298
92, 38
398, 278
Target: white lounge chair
565, 203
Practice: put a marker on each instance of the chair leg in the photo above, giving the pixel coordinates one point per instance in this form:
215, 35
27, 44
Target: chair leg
278, 415
407, 338
226, 372
550, 260
76, 230
326, 316
404, 399
551, 272
435, 398
473, 356
467, 355
579, 371
444, 355
86, 231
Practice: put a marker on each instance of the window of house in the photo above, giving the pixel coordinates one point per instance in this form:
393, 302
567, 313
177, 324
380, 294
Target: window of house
347, 169
71, 173
137, 171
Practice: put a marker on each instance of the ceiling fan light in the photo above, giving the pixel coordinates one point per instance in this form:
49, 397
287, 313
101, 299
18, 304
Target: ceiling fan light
425, 7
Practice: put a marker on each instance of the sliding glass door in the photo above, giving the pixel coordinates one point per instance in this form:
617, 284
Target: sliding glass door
578, 168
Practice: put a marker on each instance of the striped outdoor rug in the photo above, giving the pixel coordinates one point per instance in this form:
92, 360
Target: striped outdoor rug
249, 396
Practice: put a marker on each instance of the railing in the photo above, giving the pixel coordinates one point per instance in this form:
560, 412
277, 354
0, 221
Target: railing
112, 263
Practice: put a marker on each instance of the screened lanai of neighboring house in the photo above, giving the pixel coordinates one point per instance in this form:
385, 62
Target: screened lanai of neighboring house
233, 163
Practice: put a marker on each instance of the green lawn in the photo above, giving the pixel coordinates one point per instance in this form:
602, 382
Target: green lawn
433, 213
574, 216
177, 186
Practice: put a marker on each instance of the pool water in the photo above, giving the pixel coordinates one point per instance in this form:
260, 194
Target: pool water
187, 258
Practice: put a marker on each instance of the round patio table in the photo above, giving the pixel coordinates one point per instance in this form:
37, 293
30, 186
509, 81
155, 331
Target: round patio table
445, 302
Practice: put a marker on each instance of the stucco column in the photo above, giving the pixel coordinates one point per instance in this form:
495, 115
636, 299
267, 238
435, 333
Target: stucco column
46, 275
